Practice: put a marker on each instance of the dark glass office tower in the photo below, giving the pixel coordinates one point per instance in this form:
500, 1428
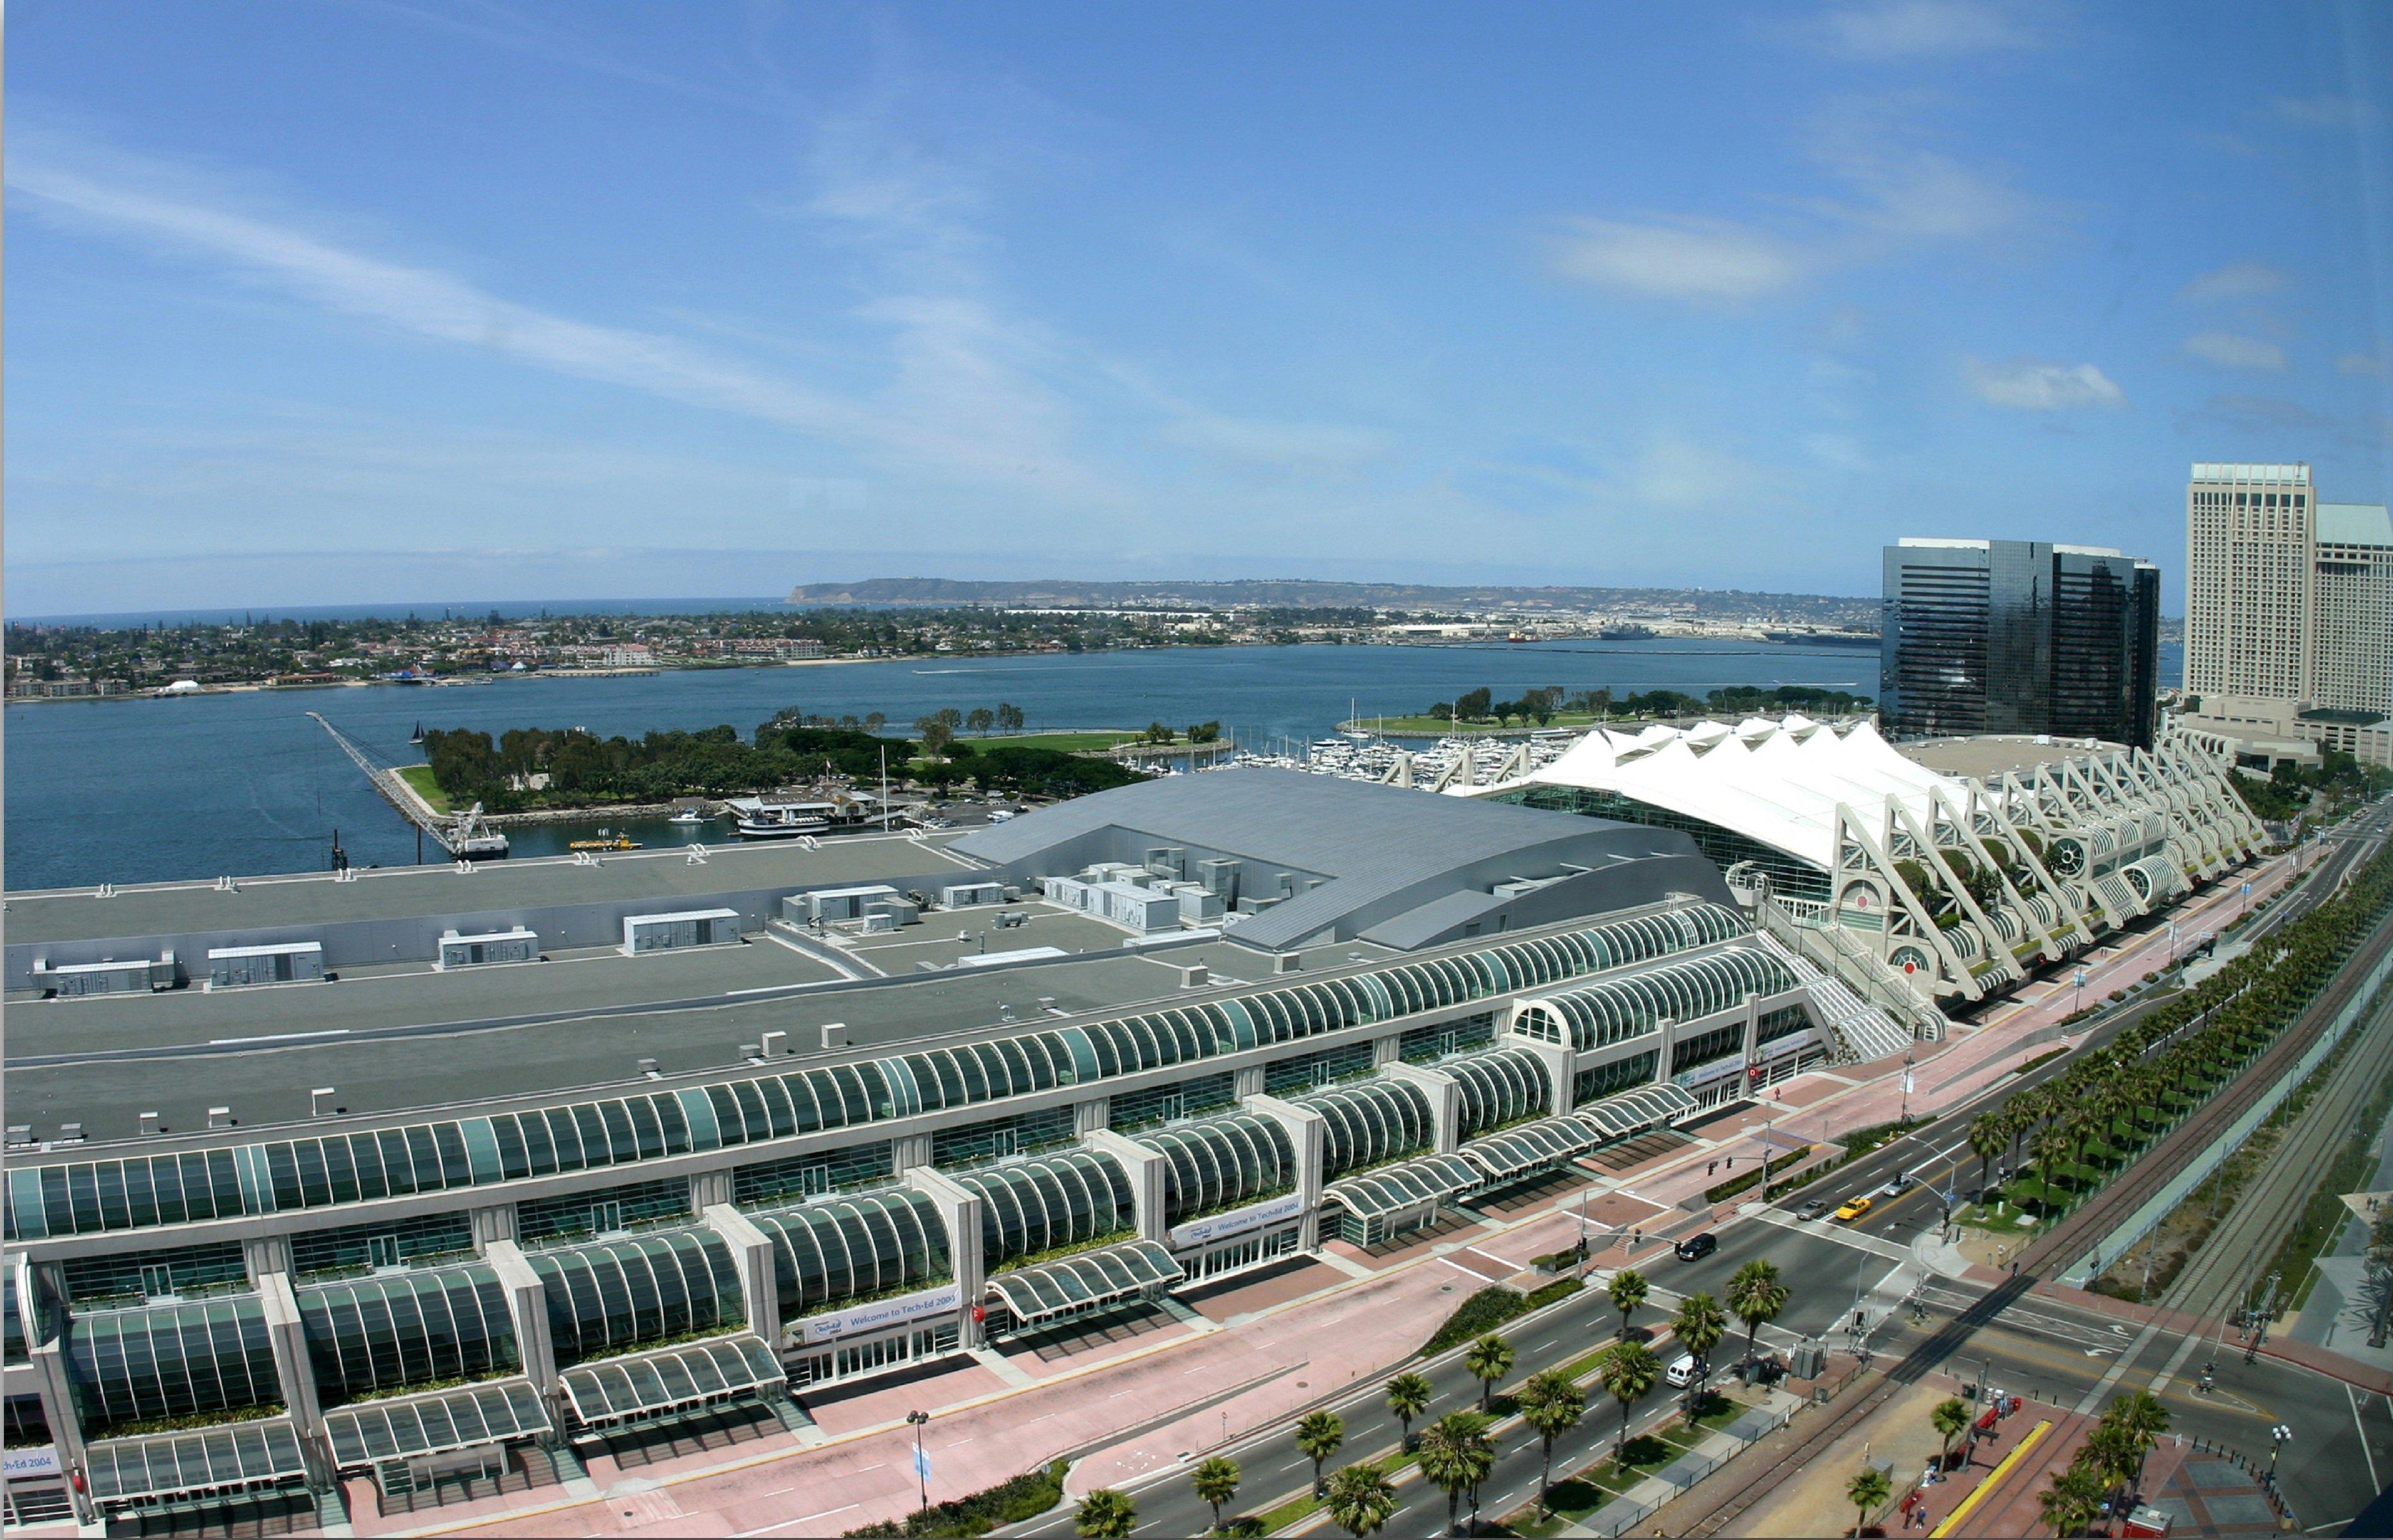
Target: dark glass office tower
2018, 636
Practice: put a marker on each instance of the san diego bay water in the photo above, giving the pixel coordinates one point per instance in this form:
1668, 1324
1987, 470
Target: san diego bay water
143, 790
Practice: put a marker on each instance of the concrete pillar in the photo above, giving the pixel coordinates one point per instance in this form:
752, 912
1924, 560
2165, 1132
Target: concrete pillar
753, 1251
1561, 1071
266, 1254
1249, 1081
908, 1151
1387, 1050
1306, 1131
493, 1222
709, 1188
1444, 1093
1752, 1034
959, 1210
1664, 1048
48, 1354
288, 1337
1147, 1168
1090, 1116
527, 1303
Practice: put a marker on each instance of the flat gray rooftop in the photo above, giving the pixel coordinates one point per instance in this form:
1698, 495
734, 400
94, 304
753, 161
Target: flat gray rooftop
1994, 753
393, 893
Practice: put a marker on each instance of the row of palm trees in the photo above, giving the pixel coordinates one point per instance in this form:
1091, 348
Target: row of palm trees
2128, 1093
1456, 1452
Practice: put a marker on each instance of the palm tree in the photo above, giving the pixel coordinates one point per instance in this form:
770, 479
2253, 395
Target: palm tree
2069, 1502
1217, 1483
1629, 1370
1552, 1404
1949, 1416
1627, 1291
1107, 1515
1456, 1455
1989, 1134
1408, 1396
1698, 1326
2047, 1146
1361, 1500
1756, 1296
1487, 1361
1866, 1491
1318, 1434
2145, 1420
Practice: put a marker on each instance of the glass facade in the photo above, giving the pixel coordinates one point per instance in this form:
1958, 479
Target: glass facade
999, 1137
1221, 1162
1370, 1123
1141, 1109
1035, 1205
617, 1294
1593, 1085
1421, 1045
171, 1361
1502, 1086
1304, 1071
845, 1249
142, 1275
358, 1247
1618, 1009
807, 1176
2018, 636
383, 1334
601, 1211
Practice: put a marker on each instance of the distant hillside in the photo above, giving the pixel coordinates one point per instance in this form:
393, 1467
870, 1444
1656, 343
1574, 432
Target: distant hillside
1059, 593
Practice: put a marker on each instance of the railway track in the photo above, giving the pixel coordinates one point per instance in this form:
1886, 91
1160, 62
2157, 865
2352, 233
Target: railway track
2123, 1195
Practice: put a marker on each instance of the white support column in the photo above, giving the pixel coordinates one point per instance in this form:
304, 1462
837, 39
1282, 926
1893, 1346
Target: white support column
528, 1304
1444, 1093
1561, 1069
1752, 1032
1249, 1081
495, 1222
1147, 1169
960, 1212
1387, 1050
754, 1252
1090, 1116
1666, 1051
48, 1354
910, 1150
710, 1188
263, 1254
288, 1337
1306, 1132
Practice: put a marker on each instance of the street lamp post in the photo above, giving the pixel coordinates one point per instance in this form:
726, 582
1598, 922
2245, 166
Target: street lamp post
2279, 1437
921, 1465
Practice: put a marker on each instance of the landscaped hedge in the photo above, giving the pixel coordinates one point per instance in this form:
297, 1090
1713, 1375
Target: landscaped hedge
1736, 1185
1026, 1497
1490, 1307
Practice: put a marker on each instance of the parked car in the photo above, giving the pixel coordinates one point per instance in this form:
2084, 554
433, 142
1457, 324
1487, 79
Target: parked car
1855, 1207
1812, 1210
1696, 1247
1680, 1375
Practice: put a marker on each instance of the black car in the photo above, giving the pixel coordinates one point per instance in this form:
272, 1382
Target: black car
1696, 1247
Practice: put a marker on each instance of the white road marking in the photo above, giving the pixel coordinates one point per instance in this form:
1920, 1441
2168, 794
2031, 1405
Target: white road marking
2363, 1438
793, 1524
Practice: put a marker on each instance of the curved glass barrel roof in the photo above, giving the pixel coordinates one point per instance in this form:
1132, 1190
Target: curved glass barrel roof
1370, 1122
1050, 1200
1613, 1011
1499, 1087
646, 1384
433, 1424
1633, 1112
407, 1328
1530, 1147
172, 1360
836, 1248
1393, 1189
215, 1459
611, 1295
1091, 1278
1220, 1162
16, 1353
275, 1176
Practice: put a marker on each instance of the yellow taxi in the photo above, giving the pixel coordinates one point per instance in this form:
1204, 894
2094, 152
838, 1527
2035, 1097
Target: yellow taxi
1853, 1208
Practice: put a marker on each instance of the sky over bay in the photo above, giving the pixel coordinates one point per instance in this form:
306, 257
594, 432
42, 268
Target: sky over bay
378, 300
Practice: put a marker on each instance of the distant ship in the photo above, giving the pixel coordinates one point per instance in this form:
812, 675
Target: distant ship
1627, 634
1827, 638
1519, 636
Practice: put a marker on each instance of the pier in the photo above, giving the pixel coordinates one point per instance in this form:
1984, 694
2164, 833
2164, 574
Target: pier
465, 837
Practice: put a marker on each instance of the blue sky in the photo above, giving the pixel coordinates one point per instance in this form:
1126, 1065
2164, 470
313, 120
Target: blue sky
372, 301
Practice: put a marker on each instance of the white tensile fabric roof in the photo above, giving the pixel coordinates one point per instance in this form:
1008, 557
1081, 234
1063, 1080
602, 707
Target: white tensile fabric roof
1777, 782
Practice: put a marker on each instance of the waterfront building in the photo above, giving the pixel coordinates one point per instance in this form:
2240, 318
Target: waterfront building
1941, 871
2289, 616
451, 1196
2019, 636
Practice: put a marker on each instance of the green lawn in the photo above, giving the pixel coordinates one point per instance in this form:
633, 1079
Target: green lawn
1068, 743
420, 777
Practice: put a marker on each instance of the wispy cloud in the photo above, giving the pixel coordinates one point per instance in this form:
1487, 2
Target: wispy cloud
2326, 110
2236, 280
1686, 259
1920, 29
2229, 351
2027, 386
2359, 363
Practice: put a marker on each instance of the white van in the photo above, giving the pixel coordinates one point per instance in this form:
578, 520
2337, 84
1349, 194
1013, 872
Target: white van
1681, 1374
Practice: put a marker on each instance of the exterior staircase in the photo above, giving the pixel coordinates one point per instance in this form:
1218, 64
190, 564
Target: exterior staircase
1862, 1030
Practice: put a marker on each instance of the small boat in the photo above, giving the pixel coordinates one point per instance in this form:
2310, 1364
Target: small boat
687, 816
418, 736
607, 839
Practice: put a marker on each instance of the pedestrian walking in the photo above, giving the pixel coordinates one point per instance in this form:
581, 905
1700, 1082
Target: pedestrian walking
1712, 1169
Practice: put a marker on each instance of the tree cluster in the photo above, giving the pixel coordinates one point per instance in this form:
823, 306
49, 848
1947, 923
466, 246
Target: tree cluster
1544, 703
581, 767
